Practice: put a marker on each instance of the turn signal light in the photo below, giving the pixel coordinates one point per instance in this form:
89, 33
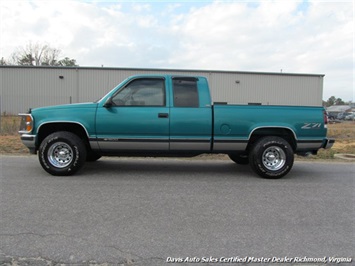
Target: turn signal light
28, 123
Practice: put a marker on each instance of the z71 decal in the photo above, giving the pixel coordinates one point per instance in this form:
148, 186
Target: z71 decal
312, 126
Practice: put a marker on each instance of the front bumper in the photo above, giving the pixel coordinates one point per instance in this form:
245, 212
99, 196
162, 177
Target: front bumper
327, 143
30, 142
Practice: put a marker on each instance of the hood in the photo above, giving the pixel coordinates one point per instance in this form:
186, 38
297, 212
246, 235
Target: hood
64, 107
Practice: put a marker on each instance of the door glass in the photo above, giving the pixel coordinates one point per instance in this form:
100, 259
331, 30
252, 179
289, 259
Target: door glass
185, 92
141, 92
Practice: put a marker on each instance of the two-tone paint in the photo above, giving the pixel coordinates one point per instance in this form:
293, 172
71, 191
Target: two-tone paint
206, 128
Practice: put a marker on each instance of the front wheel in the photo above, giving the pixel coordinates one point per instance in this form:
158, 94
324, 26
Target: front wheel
62, 153
271, 157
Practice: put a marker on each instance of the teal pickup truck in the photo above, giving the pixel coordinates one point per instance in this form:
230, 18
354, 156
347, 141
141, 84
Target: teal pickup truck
165, 115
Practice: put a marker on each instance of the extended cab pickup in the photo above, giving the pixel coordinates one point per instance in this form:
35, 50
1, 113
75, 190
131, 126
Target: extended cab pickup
164, 115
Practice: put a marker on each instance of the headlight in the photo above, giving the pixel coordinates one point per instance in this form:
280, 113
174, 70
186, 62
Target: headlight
26, 123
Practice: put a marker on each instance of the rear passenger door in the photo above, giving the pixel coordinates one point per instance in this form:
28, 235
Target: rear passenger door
190, 121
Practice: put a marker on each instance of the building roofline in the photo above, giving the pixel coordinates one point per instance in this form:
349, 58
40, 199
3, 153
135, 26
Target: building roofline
164, 69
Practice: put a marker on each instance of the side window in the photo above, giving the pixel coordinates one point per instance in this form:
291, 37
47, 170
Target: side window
185, 92
141, 92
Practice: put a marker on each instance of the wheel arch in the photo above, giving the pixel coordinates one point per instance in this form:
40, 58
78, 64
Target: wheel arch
284, 132
48, 128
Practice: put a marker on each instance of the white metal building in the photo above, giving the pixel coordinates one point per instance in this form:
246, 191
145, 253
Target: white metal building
29, 87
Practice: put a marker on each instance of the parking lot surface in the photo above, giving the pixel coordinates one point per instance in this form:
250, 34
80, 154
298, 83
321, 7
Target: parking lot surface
161, 211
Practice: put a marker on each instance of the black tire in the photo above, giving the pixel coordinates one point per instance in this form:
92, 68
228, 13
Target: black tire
92, 156
239, 158
271, 157
62, 153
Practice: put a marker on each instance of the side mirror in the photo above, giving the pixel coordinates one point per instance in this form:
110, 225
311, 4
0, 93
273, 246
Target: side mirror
108, 103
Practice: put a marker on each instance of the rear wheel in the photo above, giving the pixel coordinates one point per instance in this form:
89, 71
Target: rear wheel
62, 153
271, 157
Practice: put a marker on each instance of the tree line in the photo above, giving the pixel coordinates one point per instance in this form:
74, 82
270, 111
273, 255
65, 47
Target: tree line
335, 101
38, 55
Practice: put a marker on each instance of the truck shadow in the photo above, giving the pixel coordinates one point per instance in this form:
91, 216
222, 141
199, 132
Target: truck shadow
185, 168
165, 167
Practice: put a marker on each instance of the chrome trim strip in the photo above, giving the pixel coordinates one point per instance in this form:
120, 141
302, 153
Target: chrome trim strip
63, 121
114, 140
294, 134
23, 114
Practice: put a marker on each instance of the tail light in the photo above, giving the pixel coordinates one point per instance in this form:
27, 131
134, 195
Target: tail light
325, 117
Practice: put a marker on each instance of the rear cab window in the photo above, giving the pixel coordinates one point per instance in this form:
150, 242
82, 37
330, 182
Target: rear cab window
185, 92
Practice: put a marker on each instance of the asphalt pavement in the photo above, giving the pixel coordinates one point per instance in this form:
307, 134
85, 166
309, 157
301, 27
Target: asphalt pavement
152, 212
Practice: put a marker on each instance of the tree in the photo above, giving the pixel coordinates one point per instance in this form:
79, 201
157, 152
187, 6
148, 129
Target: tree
3, 62
331, 101
25, 60
339, 101
67, 62
40, 55
334, 101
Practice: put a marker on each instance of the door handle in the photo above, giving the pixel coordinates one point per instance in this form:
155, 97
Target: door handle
163, 115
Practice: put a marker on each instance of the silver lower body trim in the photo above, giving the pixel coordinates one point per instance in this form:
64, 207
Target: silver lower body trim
190, 144
230, 145
144, 145
309, 145
29, 140
151, 144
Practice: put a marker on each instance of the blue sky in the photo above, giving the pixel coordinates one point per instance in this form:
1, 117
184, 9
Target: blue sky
267, 36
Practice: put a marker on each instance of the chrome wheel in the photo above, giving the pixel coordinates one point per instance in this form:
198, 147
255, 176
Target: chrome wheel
271, 157
274, 158
60, 155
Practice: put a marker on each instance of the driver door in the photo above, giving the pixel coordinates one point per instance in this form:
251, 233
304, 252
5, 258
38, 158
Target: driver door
138, 118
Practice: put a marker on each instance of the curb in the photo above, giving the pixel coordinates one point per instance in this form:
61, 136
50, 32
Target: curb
349, 157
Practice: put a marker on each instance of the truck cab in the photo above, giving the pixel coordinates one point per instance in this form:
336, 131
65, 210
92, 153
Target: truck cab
156, 114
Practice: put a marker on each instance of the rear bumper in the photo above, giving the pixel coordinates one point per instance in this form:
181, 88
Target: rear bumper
305, 148
327, 143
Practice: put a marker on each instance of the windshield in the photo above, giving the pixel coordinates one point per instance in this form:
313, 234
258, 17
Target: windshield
120, 84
